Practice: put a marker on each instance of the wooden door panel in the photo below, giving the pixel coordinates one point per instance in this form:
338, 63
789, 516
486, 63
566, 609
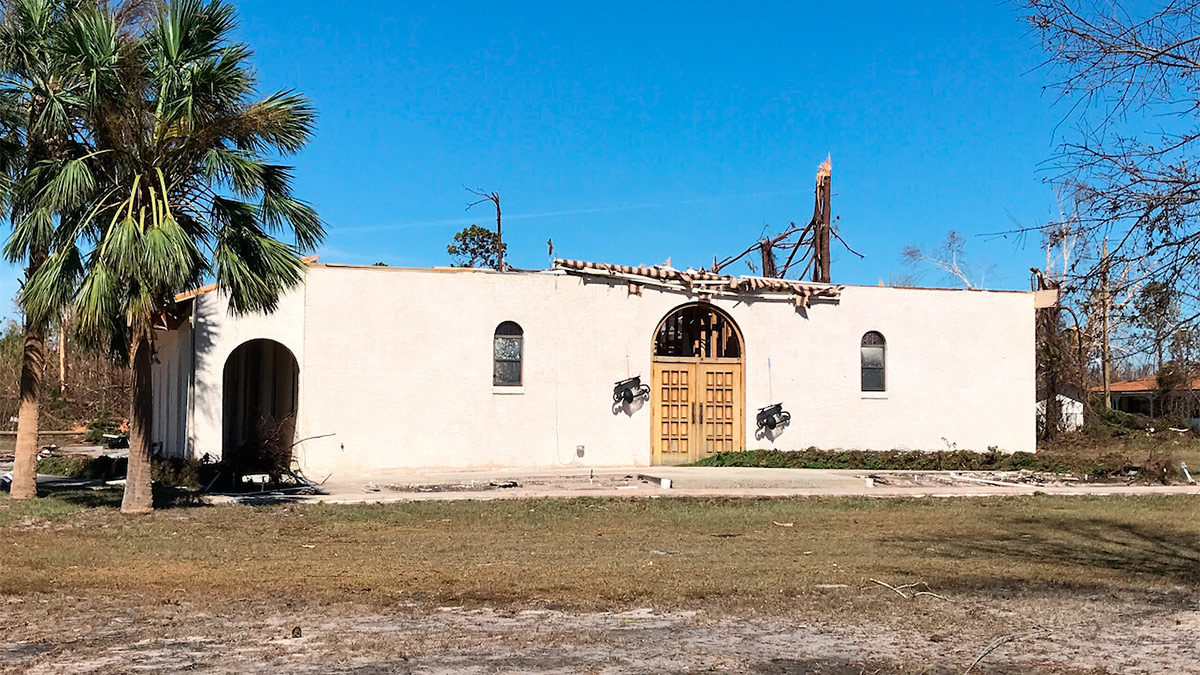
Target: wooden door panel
697, 410
673, 416
722, 402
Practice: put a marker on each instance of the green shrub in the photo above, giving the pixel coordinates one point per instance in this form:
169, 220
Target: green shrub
104, 424
174, 472
1147, 464
1119, 420
83, 466
186, 473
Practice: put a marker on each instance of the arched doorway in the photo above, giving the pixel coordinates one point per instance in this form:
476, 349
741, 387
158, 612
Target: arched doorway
697, 391
259, 407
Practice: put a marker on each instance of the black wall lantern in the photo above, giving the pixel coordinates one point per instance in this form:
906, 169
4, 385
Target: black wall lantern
773, 416
626, 391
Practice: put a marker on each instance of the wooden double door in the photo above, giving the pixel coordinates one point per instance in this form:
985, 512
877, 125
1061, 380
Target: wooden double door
698, 409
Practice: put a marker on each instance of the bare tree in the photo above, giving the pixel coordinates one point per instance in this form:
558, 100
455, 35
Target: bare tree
1157, 316
949, 257
1062, 344
494, 198
1122, 70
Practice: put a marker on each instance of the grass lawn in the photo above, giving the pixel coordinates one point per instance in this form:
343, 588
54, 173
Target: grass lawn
600, 553
1001, 564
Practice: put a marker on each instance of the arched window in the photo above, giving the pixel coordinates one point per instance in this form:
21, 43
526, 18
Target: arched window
506, 355
698, 331
873, 362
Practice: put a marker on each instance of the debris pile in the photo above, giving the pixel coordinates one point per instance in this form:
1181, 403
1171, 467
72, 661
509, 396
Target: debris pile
701, 281
966, 479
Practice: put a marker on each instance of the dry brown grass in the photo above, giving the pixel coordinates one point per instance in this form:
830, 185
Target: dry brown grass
605, 553
1091, 585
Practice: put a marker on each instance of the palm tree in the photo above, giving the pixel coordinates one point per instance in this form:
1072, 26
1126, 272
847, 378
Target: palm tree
42, 93
179, 187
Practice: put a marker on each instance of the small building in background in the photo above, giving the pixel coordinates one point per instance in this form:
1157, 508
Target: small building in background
1144, 397
1071, 409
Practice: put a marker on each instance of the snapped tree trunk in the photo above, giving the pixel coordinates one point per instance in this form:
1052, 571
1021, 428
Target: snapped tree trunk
62, 356
138, 495
33, 363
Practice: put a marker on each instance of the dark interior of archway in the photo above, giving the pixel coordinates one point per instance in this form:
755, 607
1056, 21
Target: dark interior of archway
259, 406
697, 331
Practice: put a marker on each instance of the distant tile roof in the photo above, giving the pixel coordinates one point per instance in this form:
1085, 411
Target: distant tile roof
1145, 384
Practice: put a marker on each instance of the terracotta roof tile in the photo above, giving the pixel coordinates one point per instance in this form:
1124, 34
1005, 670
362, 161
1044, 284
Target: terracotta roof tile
703, 279
1144, 384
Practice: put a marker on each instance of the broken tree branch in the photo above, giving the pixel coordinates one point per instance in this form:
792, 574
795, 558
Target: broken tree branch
999, 641
909, 587
493, 197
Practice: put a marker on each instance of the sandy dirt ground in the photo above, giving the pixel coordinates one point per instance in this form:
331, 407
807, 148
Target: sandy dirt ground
1105, 633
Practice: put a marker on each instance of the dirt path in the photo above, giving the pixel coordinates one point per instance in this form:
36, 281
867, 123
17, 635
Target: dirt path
1135, 634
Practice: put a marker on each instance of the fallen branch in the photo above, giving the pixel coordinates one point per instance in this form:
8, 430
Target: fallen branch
999, 641
899, 590
891, 587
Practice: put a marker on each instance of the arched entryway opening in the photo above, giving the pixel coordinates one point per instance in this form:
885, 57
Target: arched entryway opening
697, 391
259, 407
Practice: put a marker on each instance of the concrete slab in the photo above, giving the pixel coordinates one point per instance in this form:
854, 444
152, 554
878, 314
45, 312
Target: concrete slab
654, 492
647, 482
750, 478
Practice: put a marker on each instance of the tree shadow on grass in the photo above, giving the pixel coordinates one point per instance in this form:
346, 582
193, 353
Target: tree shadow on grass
83, 496
95, 494
1164, 553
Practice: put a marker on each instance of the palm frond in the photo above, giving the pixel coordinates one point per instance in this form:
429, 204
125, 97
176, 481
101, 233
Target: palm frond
171, 258
98, 304
254, 268
306, 225
239, 169
32, 231
50, 288
282, 122
68, 185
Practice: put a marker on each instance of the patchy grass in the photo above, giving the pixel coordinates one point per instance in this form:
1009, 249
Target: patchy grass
780, 585
600, 553
61, 503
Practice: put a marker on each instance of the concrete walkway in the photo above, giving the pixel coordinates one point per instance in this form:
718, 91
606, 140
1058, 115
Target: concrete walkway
657, 482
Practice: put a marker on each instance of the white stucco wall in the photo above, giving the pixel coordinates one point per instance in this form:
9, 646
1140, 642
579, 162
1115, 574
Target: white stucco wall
396, 364
171, 385
1071, 409
217, 334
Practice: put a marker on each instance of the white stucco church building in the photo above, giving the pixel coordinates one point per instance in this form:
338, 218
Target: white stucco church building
380, 368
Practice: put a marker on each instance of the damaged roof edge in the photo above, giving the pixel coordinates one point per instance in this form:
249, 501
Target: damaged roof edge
691, 278
705, 281
310, 261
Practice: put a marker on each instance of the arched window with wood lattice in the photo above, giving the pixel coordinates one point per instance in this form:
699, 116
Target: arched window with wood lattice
698, 331
874, 362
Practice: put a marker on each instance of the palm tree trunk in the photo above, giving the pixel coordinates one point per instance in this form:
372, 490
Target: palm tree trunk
138, 496
33, 362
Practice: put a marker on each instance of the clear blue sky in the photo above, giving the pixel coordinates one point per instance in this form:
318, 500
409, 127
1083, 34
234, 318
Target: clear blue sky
634, 132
